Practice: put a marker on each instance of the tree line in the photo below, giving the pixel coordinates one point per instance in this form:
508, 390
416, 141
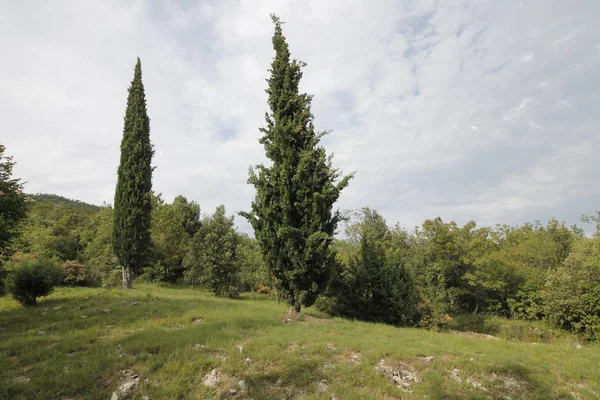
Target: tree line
375, 273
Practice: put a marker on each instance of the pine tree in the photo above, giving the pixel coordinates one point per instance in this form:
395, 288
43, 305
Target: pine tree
133, 197
13, 208
292, 212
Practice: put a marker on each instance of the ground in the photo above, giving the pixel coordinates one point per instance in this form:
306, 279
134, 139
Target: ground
174, 343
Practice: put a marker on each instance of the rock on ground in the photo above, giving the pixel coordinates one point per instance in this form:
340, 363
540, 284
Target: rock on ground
455, 376
211, 379
402, 377
322, 386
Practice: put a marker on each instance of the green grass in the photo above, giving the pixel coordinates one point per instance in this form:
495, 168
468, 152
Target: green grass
52, 352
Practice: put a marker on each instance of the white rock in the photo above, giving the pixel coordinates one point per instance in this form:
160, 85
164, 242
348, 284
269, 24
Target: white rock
240, 348
242, 385
248, 361
578, 346
211, 379
322, 386
128, 387
114, 396
455, 376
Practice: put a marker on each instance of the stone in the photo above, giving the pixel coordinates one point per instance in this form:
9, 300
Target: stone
248, 361
197, 321
41, 332
243, 386
114, 396
84, 316
355, 358
476, 384
402, 377
330, 347
21, 379
427, 360
240, 348
135, 303
455, 376
57, 308
211, 379
322, 386
578, 346
106, 310
198, 346
128, 387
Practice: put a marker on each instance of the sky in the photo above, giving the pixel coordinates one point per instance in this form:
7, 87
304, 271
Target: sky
468, 110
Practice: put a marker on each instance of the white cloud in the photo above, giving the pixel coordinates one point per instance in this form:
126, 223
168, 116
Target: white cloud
468, 110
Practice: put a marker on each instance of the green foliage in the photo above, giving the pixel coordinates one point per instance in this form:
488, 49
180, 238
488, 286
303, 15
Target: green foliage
73, 204
13, 207
254, 274
173, 225
445, 263
572, 291
55, 229
292, 211
213, 256
31, 278
133, 198
374, 285
100, 258
74, 274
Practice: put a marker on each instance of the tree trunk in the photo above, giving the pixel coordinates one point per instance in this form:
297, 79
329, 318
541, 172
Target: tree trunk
127, 278
295, 309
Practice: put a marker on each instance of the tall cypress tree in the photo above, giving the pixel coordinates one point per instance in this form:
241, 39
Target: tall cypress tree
292, 212
133, 199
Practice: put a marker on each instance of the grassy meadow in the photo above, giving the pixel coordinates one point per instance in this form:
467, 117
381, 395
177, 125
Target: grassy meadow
83, 343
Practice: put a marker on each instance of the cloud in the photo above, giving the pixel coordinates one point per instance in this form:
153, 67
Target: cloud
467, 110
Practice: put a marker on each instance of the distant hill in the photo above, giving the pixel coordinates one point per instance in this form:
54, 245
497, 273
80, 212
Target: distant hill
56, 199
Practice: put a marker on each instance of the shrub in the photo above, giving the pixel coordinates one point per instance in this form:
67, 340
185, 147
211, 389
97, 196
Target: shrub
74, 274
33, 278
572, 294
263, 289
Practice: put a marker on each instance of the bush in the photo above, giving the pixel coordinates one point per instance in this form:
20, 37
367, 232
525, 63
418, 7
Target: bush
33, 278
74, 274
572, 294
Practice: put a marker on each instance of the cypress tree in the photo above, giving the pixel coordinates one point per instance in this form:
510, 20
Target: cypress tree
133, 198
292, 212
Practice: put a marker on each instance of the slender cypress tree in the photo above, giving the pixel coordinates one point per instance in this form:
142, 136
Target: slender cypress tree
133, 198
292, 212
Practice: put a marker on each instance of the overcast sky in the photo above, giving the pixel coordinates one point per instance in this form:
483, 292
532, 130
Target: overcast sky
468, 110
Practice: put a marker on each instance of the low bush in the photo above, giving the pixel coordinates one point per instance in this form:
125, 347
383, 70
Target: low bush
74, 274
33, 278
